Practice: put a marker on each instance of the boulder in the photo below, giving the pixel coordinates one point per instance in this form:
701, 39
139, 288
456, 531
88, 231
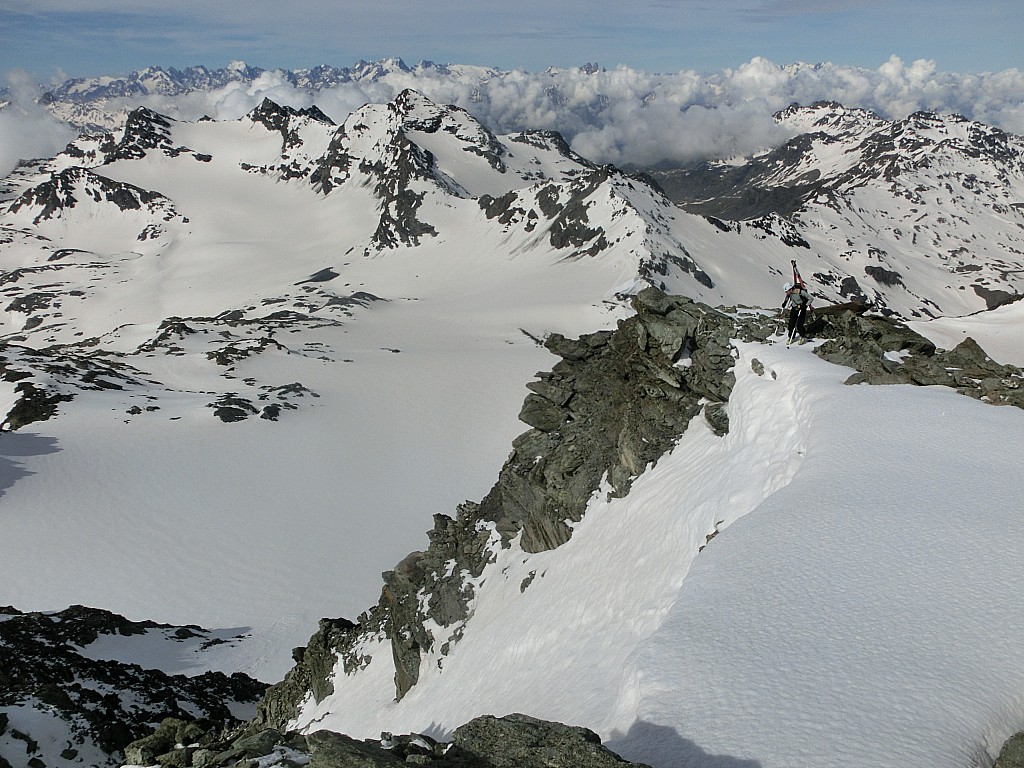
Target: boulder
1012, 753
521, 741
334, 750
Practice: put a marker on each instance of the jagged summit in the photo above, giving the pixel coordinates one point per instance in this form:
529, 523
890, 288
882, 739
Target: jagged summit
915, 205
273, 115
66, 190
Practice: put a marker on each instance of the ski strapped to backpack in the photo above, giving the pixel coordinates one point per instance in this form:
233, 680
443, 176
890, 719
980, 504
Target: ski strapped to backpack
797, 280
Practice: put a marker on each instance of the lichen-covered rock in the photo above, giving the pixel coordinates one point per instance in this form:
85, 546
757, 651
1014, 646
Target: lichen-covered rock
520, 741
1012, 753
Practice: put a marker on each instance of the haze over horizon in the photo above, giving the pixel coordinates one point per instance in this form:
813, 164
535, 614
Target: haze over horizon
60, 39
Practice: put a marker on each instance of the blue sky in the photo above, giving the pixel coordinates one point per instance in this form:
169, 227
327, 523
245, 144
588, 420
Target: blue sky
53, 39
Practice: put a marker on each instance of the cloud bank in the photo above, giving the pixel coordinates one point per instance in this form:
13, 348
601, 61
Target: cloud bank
637, 119
27, 130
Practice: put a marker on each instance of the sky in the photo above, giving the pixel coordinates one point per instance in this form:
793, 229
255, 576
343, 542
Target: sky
57, 39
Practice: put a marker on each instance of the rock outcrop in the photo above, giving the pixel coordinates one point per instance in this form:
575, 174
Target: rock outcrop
885, 351
611, 407
1012, 753
513, 741
613, 404
46, 670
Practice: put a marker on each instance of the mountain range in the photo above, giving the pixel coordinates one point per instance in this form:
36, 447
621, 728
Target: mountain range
245, 363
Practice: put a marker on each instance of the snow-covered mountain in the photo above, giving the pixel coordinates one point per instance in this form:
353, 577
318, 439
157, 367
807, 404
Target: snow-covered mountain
97, 104
288, 283
245, 364
175, 82
900, 203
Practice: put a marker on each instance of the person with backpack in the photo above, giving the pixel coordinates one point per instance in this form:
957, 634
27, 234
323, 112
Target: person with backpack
798, 300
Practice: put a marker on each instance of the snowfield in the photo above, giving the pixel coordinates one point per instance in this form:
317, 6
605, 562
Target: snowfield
836, 582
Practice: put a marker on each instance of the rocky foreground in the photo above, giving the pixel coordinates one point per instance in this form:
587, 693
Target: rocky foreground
513, 741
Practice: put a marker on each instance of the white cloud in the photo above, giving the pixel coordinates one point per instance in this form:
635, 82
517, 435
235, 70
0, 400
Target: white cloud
26, 129
633, 118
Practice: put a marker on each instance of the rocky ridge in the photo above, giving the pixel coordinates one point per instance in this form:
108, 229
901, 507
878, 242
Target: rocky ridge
610, 408
940, 190
512, 741
67, 188
578, 209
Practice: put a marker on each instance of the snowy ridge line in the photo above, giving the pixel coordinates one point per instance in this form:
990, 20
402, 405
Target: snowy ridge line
699, 487
839, 605
673, 509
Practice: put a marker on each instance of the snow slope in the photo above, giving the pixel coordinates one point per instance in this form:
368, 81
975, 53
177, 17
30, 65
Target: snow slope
852, 610
998, 331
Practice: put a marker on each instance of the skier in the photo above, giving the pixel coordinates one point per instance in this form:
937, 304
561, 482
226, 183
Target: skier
798, 299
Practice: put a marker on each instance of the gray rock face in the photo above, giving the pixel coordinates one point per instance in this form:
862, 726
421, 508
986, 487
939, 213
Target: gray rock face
885, 351
1012, 753
314, 664
611, 407
520, 741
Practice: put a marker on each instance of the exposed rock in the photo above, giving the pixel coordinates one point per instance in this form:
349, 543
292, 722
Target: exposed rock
111, 704
885, 351
520, 741
1012, 753
144, 129
33, 404
514, 741
312, 673
62, 191
334, 750
609, 409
